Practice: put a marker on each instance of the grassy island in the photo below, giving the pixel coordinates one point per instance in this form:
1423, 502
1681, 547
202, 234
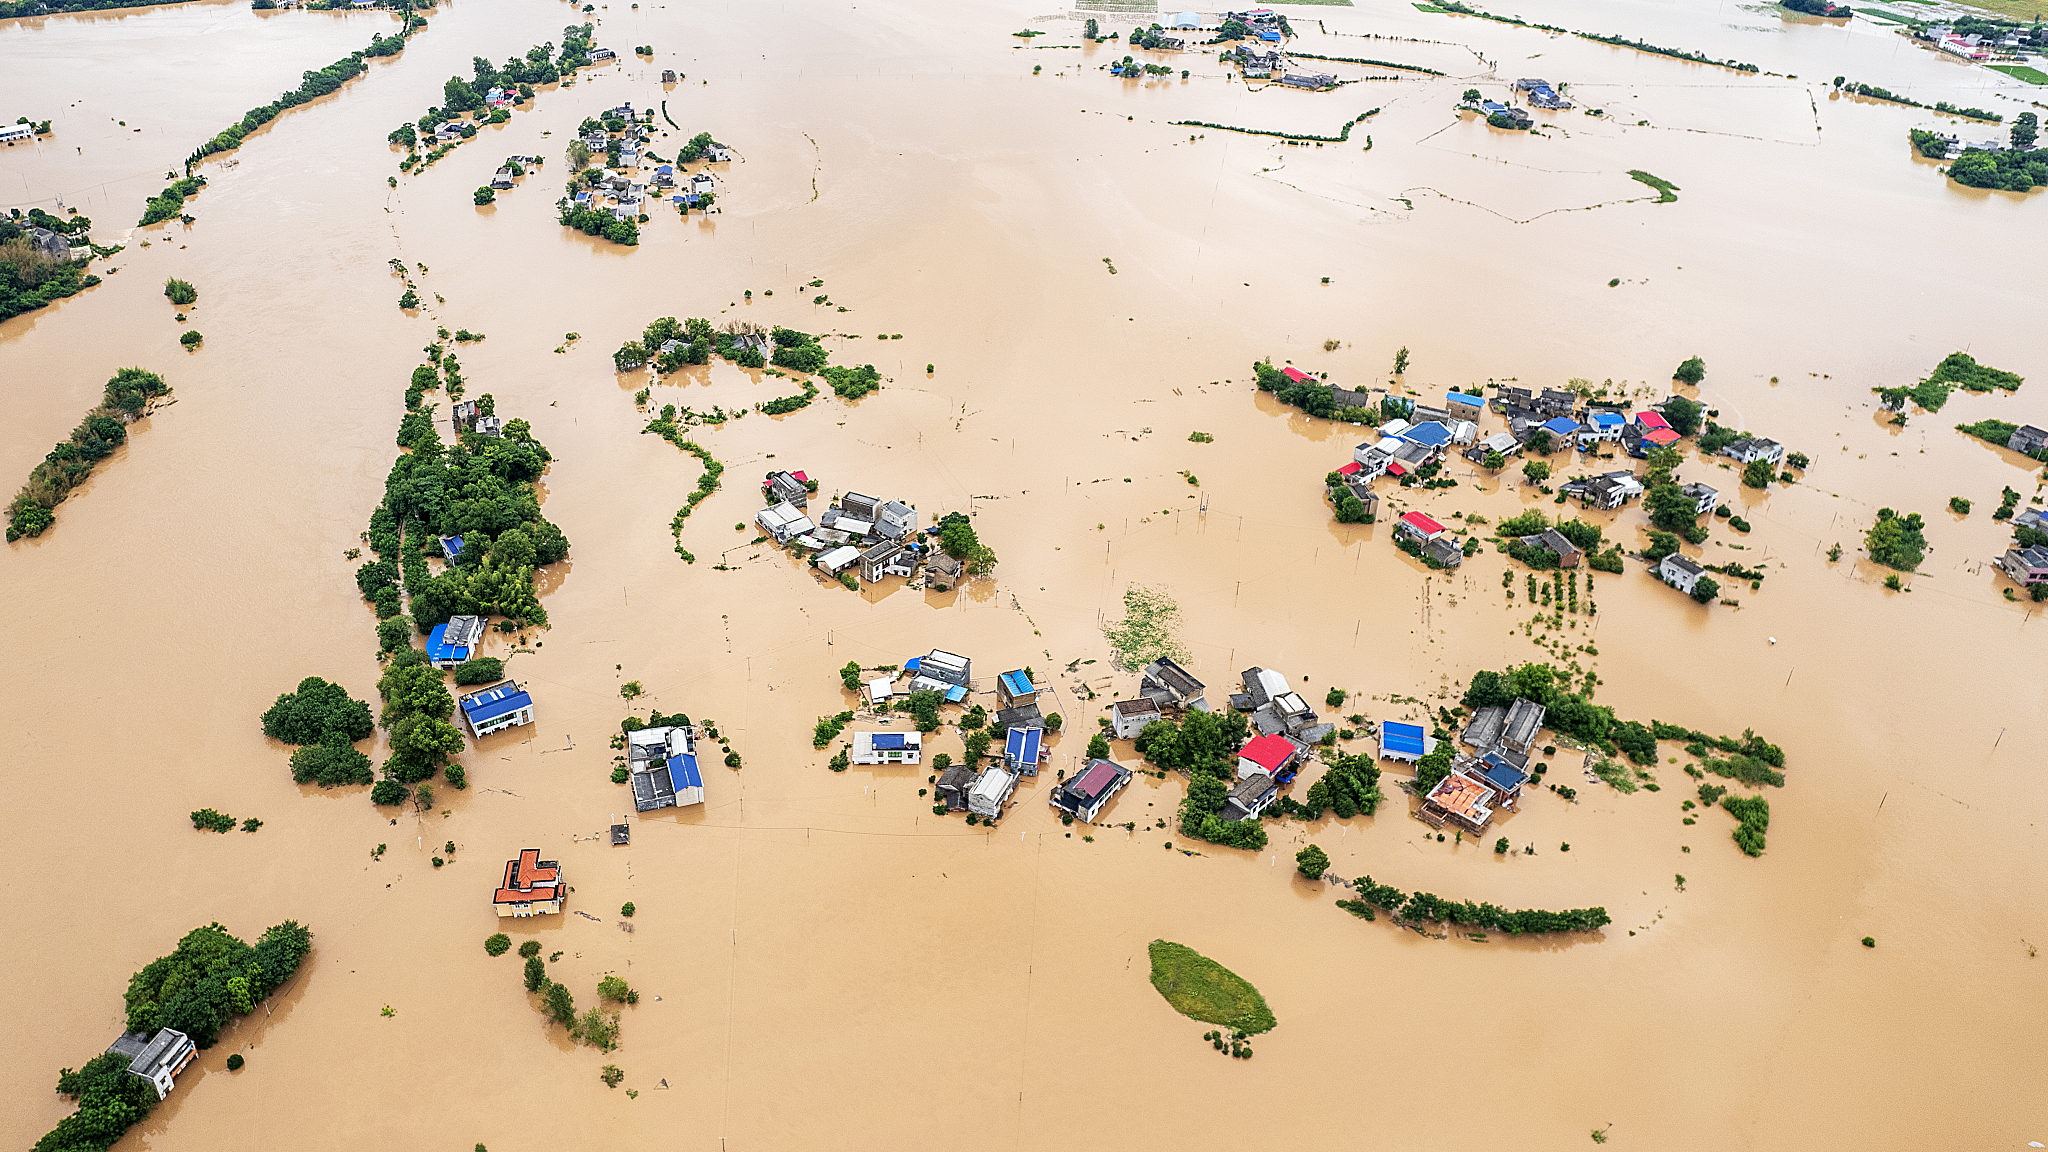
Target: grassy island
1201, 989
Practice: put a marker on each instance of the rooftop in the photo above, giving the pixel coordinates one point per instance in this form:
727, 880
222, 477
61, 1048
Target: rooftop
1021, 745
529, 878
1101, 774
1464, 797
497, 700
1268, 752
1403, 738
1422, 523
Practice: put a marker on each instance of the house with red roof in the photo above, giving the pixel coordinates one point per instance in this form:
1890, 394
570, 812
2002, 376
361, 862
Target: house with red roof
1419, 526
1297, 375
1269, 754
532, 886
1647, 420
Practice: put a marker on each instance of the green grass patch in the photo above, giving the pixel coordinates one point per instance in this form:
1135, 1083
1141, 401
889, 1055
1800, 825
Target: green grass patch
1201, 989
1881, 14
1429, 8
1667, 192
1962, 370
2021, 72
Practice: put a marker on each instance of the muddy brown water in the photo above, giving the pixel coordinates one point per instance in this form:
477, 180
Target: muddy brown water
823, 964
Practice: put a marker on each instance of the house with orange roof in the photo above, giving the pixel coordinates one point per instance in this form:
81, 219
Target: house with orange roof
1461, 800
532, 886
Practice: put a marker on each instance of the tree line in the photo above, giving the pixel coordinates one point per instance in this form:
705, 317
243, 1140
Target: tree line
127, 397
1752, 758
1426, 907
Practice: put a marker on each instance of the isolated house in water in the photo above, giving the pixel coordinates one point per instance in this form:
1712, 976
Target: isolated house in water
662, 766
1250, 796
1083, 795
953, 785
1405, 742
787, 488
783, 522
157, 1059
887, 747
990, 790
532, 886
1023, 749
1679, 572
1268, 754
1485, 730
500, 706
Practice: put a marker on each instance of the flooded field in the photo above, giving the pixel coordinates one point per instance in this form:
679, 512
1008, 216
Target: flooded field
827, 964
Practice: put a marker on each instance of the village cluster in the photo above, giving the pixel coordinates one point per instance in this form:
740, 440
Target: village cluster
855, 533
632, 177
1414, 447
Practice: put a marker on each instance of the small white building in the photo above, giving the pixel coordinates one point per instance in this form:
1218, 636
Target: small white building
879, 691
157, 1059
1702, 498
13, 133
887, 747
991, 789
1679, 572
1750, 451
837, 560
783, 521
1127, 718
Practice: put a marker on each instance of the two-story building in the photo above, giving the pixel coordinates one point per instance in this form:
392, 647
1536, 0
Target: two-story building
1083, 795
501, 706
532, 886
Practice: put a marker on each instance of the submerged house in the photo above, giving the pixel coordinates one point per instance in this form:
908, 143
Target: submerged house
990, 791
157, 1059
888, 559
953, 785
1250, 796
532, 886
1083, 795
887, 747
1127, 718
662, 767
1524, 721
783, 522
2029, 565
1488, 723
502, 705
1169, 685
1271, 755
1024, 750
1679, 572
787, 488
1461, 800
1749, 451
1404, 742
451, 643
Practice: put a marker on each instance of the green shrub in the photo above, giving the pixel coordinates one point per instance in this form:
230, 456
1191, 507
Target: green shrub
480, 670
235, 1061
497, 944
530, 949
181, 292
191, 339
626, 909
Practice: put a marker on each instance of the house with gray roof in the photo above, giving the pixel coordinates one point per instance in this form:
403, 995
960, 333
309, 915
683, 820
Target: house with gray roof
1487, 725
1524, 721
157, 1059
1083, 794
1250, 796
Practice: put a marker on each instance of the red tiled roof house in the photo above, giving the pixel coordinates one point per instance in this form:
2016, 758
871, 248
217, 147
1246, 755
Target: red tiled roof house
532, 887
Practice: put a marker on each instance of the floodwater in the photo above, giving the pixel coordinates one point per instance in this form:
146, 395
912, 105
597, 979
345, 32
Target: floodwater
836, 968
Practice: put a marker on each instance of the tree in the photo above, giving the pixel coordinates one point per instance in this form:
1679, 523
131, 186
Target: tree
1431, 769
536, 969
484, 195
1494, 461
1471, 96
1401, 360
1488, 689
1692, 371
389, 792
956, 536
560, 1003
419, 745
316, 710
1758, 474
1536, 471
1896, 541
457, 95
497, 944
1098, 747
1500, 846
615, 988
2025, 126
1539, 442
1312, 862
1091, 30
1705, 590
1682, 414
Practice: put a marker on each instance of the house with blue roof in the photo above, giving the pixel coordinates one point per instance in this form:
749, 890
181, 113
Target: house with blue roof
1022, 750
494, 709
1604, 426
1429, 434
1561, 427
451, 547
451, 643
1015, 689
662, 766
1404, 742
1464, 406
887, 747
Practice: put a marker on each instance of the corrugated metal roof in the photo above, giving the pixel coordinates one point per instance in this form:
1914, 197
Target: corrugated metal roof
1403, 738
1021, 745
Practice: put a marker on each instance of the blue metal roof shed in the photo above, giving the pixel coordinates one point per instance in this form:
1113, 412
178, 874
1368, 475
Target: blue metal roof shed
1401, 741
885, 740
1430, 433
438, 649
682, 770
1017, 684
1562, 426
1021, 745
1462, 398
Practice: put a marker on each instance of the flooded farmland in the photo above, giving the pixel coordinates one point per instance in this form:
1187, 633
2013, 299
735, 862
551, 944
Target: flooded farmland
818, 971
